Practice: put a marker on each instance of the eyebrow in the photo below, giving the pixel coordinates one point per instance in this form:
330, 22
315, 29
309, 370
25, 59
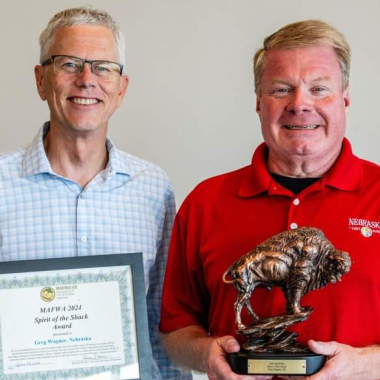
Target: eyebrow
282, 81
279, 81
321, 79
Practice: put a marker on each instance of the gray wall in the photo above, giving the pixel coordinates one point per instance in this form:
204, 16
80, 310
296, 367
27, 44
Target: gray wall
190, 106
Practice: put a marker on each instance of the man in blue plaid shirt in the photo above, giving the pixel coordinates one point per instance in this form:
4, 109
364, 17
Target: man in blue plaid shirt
71, 192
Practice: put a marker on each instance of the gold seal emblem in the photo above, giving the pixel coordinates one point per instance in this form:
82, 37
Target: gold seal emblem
47, 294
366, 231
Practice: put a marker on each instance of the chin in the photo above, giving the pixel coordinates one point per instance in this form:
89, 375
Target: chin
81, 126
307, 147
300, 150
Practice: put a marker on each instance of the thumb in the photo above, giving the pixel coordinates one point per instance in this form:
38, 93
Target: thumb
323, 348
229, 344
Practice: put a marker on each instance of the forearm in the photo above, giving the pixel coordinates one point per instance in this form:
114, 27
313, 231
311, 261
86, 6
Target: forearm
189, 347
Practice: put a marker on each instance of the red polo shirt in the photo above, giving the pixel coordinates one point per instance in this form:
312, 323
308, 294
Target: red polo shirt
227, 216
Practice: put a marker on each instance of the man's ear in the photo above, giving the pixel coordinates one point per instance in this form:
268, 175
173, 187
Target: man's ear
346, 98
258, 104
124, 81
39, 73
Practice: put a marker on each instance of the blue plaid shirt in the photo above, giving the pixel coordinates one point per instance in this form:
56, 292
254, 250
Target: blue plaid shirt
128, 207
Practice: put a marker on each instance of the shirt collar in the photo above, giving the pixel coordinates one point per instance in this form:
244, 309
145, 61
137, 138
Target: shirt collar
35, 160
258, 178
116, 163
346, 173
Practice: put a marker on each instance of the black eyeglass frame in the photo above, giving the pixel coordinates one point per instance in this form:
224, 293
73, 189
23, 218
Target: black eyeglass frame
53, 57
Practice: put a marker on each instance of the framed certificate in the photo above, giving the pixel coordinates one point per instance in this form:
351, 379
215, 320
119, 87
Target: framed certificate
74, 318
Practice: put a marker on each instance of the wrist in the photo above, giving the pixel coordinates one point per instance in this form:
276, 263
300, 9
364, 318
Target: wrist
371, 362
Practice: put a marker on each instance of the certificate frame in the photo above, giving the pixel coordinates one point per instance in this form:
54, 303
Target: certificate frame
9, 271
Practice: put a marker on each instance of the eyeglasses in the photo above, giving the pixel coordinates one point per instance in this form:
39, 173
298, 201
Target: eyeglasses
74, 65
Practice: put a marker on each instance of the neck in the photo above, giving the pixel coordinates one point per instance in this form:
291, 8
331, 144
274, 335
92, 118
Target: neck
78, 158
300, 166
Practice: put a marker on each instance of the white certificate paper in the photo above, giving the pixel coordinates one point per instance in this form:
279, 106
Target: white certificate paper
71, 323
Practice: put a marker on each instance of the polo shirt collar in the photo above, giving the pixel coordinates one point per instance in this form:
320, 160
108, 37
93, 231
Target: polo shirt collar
346, 173
35, 160
258, 179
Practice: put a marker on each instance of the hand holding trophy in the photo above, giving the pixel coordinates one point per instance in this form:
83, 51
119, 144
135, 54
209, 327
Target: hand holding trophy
298, 261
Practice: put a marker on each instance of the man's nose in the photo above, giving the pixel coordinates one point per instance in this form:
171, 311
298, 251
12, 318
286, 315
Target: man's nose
300, 101
86, 77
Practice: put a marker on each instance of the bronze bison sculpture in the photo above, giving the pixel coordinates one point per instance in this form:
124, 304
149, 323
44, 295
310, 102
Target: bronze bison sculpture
298, 261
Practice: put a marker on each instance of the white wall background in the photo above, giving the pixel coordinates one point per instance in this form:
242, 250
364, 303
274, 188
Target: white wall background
190, 105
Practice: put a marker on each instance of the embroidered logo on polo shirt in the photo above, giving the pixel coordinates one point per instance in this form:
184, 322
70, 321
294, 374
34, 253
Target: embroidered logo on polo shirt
366, 227
366, 231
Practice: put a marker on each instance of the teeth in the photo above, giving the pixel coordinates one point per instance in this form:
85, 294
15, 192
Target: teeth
308, 126
85, 102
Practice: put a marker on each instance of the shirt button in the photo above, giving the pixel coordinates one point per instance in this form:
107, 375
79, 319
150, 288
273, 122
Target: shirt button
293, 226
83, 239
296, 202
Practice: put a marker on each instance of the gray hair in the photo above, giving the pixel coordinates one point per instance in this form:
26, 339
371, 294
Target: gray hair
303, 34
80, 16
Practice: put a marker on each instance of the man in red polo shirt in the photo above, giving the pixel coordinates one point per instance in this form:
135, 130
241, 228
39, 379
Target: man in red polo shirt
305, 174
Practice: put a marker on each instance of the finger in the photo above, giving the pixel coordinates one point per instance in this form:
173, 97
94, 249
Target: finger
219, 368
323, 348
229, 344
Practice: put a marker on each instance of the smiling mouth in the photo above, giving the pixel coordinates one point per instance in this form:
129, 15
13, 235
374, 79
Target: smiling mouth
302, 127
84, 101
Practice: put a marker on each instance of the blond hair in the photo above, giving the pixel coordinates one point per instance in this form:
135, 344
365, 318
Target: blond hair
304, 34
80, 16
